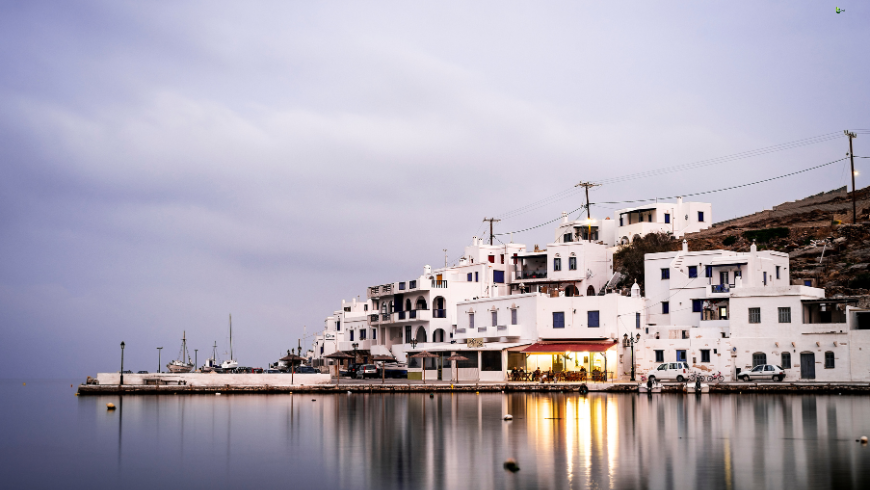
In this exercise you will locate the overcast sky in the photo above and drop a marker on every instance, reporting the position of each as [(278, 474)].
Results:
[(166, 163)]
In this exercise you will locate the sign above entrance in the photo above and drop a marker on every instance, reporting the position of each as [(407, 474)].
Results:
[(474, 343)]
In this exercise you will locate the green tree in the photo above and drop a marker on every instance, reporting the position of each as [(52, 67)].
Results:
[(629, 259)]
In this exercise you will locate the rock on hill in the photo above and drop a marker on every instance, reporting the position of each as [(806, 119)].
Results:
[(817, 232)]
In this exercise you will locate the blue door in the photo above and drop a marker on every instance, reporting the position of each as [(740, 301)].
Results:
[(681, 356)]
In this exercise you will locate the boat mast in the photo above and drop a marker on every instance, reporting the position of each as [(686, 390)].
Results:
[(214, 352), (231, 338)]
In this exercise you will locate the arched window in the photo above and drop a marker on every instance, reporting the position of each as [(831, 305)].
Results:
[(590, 291), (421, 303), (786, 360), (438, 335), (571, 290), (407, 305), (421, 335), (759, 358), (829, 360)]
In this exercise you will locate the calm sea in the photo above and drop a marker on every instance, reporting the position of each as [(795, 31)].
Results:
[(50, 438)]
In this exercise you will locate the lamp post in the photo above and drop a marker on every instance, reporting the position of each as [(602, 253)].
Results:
[(195, 359), (122, 362), (158, 358), (630, 341), (354, 345)]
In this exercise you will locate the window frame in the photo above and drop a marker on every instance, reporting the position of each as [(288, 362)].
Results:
[(785, 365), (660, 355), (787, 311), (666, 307), (514, 316), (572, 263), (666, 273), (700, 216), (471, 320), (833, 363), (557, 264), (705, 355), (593, 318), (559, 319), (755, 315), (494, 317), (693, 271)]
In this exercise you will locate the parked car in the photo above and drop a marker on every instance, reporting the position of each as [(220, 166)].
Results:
[(367, 371), (142, 372), (243, 370), (126, 372), (678, 371), (351, 370), (763, 371), (272, 371), (306, 370), (257, 370)]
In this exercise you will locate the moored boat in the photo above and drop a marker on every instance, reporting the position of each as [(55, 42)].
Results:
[(182, 364)]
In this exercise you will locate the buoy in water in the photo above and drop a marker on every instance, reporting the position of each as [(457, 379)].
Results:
[(511, 465), (863, 439), (476, 392), (508, 417), (431, 395), (217, 394), (110, 406), (348, 392)]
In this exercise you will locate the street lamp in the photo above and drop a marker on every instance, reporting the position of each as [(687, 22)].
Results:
[(354, 345), (158, 358), (195, 359), (630, 341), (122, 362)]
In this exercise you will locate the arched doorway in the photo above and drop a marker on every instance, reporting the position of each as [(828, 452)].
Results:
[(407, 305), (421, 335), (438, 335), (421, 303), (438, 309), (590, 291), (572, 290)]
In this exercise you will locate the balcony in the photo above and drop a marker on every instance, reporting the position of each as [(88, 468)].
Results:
[(378, 291), (439, 284), (439, 313), (532, 275), (481, 329), (719, 290)]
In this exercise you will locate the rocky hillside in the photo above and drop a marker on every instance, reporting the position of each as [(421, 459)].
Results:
[(806, 230)]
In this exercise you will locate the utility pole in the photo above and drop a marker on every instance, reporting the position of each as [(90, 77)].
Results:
[(490, 227), (445, 257), (587, 185), (852, 158)]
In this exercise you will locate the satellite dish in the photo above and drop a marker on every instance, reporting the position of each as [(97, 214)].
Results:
[(734, 349)]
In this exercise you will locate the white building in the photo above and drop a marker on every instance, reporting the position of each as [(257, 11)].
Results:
[(675, 218)]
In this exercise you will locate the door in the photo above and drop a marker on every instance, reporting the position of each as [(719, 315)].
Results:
[(723, 278), (808, 365)]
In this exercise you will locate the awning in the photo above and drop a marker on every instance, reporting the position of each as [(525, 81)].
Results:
[(637, 210), (728, 261), (562, 347)]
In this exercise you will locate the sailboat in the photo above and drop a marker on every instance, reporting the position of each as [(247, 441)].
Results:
[(230, 363), (212, 363), (180, 365)]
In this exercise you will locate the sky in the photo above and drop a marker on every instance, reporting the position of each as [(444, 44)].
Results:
[(164, 164)]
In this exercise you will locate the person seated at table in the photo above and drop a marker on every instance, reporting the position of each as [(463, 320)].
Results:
[(537, 373), (550, 375)]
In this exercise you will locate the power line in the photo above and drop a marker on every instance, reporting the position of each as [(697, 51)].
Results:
[(565, 194), (690, 194)]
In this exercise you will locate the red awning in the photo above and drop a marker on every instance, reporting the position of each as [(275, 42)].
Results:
[(559, 347)]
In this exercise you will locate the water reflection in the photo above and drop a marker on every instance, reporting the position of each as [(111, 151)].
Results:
[(448, 441)]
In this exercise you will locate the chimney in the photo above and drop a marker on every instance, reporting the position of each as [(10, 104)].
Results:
[(635, 291), (679, 200), (753, 248), (427, 269), (685, 246), (564, 217)]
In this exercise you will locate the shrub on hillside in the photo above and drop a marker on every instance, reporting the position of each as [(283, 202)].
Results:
[(729, 240), (766, 234), (629, 259)]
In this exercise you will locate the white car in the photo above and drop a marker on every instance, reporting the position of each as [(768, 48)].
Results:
[(763, 371), (670, 370)]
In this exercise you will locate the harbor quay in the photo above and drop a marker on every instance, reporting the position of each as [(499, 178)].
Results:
[(267, 384)]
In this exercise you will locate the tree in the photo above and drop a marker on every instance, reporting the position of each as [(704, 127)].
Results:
[(629, 259)]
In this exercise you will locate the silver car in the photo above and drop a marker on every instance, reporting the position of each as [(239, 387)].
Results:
[(763, 371)]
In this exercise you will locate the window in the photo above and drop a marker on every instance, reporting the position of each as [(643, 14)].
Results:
[(469, 277), (476, 276), (667, 218), (777, 272), (700, 216), (808, 283), (558, 319), (765, 278), (491, 259), (693, 271), (408, 334), (697, 304), (365, 307), (362, 334), (494, 318), (470, 320), (572, 263), (641, 218), (557, 264), (660, 356), (514, 316), (374, 334), (666, 273), (754, 315), (321, 350), (785, 315), (516, 259), (401, 286), (637, 320), (708, 271), (829, 360), (786, 360), (592, 316), (498, 277), (413, 284), (351, 335), (490, 360), (705, 355), (567, 238), (620, 221), (666, 307), (759, 358), (685, 334), (501, 258), (681, 356)]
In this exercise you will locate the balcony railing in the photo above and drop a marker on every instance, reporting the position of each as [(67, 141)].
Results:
[(439, 313), (481, 329), (439, 284), (501, 327), (412, 314), (401, 315), (532, 275), (720, 288), (385, 317), (460, 330)]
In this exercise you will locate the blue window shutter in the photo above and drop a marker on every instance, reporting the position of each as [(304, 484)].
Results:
[(708, 271), (666, 273), (637, 320), (693, 271), (476, 276), (667, 218), (558, 319), (351, 335), (593, 319), (696, 305), (469, 277), (701, 216), (666, 307), (808, 283), (498, 276)]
